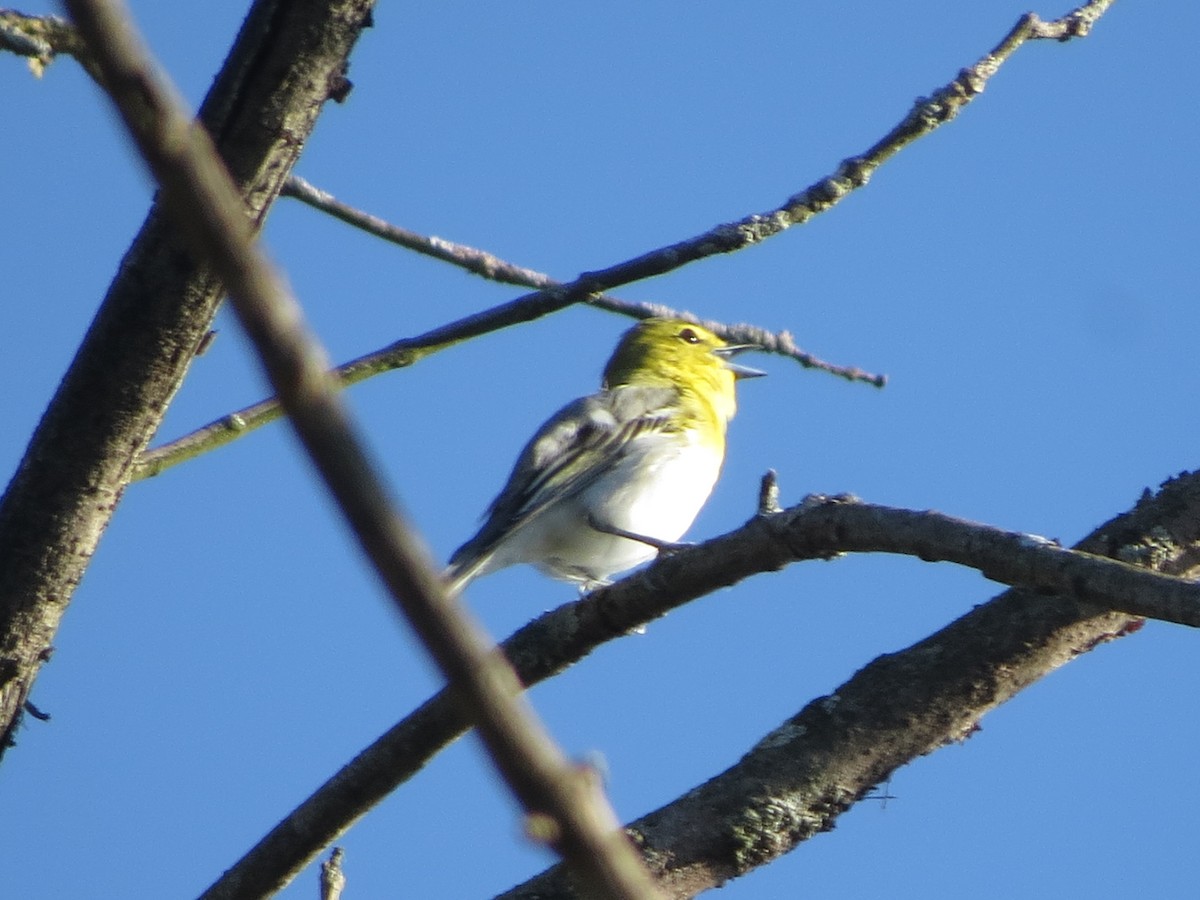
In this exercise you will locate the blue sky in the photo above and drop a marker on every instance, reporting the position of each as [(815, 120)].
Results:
[(1026, 277)]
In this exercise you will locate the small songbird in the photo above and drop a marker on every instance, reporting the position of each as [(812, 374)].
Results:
[(613, 478)]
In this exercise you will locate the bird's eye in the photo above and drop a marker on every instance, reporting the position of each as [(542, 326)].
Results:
[(690, 336)]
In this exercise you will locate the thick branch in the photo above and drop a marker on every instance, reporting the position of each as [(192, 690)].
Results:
[(261, 109), (203, 201), (1161, 535), (798, 779)]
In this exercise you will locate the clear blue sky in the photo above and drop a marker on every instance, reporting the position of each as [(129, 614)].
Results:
[(1027, 278)]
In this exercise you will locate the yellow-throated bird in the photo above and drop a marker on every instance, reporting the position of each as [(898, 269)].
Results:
[(614, 477)]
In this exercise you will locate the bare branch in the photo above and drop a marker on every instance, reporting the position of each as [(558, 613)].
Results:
[(261, 109), (478, 262), (333, 879), (202, 198), (798, 779), (40, 39), (408, 351), (1161, 535), (589, 288), (492, 267)]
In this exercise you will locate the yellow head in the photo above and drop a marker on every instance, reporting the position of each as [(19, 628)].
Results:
[(685, 356)]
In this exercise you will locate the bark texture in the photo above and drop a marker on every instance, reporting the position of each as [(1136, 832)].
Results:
[(288, 59), (797, 780)]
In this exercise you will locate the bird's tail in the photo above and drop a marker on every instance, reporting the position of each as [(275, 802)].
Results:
[(465, 566)]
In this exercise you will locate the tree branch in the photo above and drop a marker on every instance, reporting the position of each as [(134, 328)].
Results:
[(477, 262), (492, 267), (333, 879), (1161, 535), (797, 780), (261, 109), (408, 351), (198, 193), (853, 173), (40, 39)]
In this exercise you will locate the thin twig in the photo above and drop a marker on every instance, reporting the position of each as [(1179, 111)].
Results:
[(408, 351), (492, 267), (926, 115), (41, 38), (333, 878), (816, 529), (479, 262), (551, 297), (200, 196)]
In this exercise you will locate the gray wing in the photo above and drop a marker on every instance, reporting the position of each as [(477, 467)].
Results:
[(576, 446)]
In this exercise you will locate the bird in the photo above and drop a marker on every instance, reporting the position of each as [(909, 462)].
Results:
[(616, 477)]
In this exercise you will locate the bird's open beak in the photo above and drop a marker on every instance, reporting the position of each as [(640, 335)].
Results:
[(739, 371)]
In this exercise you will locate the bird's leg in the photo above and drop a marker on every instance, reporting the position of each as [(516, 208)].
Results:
[(664, 548)]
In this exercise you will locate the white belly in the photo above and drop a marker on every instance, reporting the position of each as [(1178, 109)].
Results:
[(656, 490)]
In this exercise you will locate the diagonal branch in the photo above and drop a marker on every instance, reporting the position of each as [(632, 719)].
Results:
[(492, 267), (853, 173), (473, 260), (408, 351), (563, 800), (1161, 535), (797, 780), (261, 109)]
